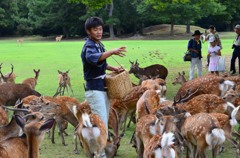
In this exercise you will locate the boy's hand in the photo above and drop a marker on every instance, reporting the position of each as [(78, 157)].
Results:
[(118, 69), (119, 51)]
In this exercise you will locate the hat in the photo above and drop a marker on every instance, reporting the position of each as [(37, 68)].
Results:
[(211, 39), (237, 26), (197, 32), (211, 27)]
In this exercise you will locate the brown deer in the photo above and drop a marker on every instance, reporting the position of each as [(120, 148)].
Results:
[(202, 131), (7, 78), (32, 82), (233, 97), (180, 79), (64, 83), (150, 125), (62, 106), (59, 38), (153, 71), (11, 92), (91, 130), (161, 146), (27, 145), (146, 103), (157, 84), (20, 41)]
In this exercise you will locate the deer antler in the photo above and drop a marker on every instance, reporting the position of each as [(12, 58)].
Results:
[(185, 97), (131, 62), (136, 62), (11, 71), (1, 71)]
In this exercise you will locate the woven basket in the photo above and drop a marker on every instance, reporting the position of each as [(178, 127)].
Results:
[(118, 85)]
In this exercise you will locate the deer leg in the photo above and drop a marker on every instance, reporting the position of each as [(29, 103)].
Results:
[(61, 132), (70, 86), (131, 119), (53, 131), (140, 147), (76, 151)]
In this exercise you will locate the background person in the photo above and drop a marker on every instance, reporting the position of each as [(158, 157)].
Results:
[(195, 46), (214, 53), (236, 51)]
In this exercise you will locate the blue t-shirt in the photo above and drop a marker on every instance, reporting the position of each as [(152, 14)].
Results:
[(197, 45), (92, 68)]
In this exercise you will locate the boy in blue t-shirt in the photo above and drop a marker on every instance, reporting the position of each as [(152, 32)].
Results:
[(95, 65)]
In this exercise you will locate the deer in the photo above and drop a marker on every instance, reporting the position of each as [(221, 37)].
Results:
[(157, 84), (91, 130), (3, 117), (64, 83), (127, 105), (232, 96), (59, 38), (202, 131), (20, 41), (11, 92), (161, 146), (150, 125), (146, 103), (227, 125), (28, 144), (209, 84), (9, 77), (180, 79), (153, 71), (32, 82), (62, 106)]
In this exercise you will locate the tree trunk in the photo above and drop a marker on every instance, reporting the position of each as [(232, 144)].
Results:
[(188, 27), (172, 28), (65, 32), (111, 30)]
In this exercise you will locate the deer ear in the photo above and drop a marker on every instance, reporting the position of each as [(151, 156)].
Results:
[(179, 73), (20, 121), (67, 71), (59, 72), (47, 125), (183, 73), (38, 70)]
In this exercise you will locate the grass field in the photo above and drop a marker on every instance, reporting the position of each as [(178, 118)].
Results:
[(51, 56)]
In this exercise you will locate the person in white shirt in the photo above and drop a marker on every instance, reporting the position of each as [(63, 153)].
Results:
[(236, 51), (214, 53)]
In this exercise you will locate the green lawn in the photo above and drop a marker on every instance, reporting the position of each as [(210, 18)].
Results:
[(51, 56)]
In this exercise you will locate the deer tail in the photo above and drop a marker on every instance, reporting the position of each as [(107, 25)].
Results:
[(215, 137)]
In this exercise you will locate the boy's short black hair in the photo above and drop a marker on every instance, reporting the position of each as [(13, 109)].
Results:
[(93, 22), (212, 27)]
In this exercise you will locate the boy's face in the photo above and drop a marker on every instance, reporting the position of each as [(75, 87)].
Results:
[(197, 37), (95, 33), (237, 31)]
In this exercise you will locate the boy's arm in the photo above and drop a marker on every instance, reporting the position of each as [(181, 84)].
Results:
[(116, 51), (190, 46)]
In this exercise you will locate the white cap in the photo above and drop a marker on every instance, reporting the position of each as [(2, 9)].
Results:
[(237, 26), (211, 39)]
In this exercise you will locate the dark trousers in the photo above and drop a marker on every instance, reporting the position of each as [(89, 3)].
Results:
[(235, 55)]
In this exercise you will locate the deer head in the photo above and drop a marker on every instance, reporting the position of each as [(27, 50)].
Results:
[(63, 76), (5, 78), (134, 67), (180, 79), (36, 73)]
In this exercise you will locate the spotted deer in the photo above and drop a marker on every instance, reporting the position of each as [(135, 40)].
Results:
[(59, 38), (161, 146), (64, 83), (146, 103), (150, 125), (9, 77), (209, 84), (180, 79), (202, 131), (233, 97), (32, 82)]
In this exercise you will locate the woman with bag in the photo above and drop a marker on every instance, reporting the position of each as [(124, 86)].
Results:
[(214, 53)]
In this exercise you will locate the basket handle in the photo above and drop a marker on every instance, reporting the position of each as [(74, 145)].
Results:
[(118, 63)]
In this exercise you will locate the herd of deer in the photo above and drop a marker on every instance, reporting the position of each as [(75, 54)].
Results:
[(201, 116)]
